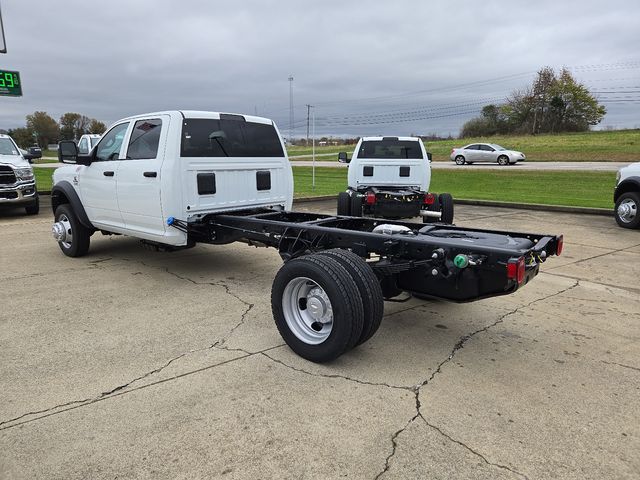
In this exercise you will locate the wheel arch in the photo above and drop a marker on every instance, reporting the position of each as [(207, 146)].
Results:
[(63, 192), (631, 184)]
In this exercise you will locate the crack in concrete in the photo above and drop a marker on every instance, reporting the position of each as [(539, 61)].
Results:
[(218, 344), (610, 252), (608, 285), (333, 375), (621, 365), (72, 405), (478, 454), (462, 341)]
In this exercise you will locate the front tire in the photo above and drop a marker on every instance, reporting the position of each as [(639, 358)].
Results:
[(503, 160), (317, 307), (460, 160), (344, 204), (34, 208), (73, 237), (626, 211)]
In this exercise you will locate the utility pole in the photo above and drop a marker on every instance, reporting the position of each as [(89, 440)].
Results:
[(290, 109), (313, 154), (308, 109)]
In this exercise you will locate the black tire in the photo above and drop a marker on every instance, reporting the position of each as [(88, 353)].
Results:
[(368, 286), (434, 207), (446, 208), (628, 217), (343, 295), (503, 160), (460, 160), (344, 204), (356, 205), (34, 208), (79, 244)]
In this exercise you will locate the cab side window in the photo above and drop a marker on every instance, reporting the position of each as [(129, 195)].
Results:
[(473, 147), (110, 143), (144, 140), (83, 146)]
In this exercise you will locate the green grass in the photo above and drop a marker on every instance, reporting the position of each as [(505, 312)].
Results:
[(43, 178), (619, 145), (294, 150), (580, 189), (612, 146)]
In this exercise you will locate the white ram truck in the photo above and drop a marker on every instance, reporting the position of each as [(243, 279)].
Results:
[(176, 178), (389, 177), (627, 196)]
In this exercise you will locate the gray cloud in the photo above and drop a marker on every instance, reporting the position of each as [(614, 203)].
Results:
[(117, 58)]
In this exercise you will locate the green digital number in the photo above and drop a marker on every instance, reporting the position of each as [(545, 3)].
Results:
[(8, 77), (2, 80)]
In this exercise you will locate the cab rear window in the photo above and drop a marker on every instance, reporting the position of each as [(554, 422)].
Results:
[(233, 137), (390, 149)]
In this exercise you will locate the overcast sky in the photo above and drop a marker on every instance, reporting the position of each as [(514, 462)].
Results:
[(367, 67)]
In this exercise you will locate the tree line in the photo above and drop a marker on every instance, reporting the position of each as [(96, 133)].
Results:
[(554, 103), (42, 129)]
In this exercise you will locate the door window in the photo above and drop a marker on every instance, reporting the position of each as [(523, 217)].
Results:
[(144, 140), (109, 146), (486, 148), (472, 147), (83, 146)]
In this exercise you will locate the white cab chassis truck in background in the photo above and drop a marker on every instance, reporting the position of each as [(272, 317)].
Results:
[(627, 196), (173, 179), (389, 178)]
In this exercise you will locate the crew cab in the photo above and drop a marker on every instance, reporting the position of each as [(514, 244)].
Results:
[(627, 196), (389, 178), (17, 181), (176, 178)]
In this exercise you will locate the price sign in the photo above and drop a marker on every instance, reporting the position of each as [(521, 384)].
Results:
[(10, 83)]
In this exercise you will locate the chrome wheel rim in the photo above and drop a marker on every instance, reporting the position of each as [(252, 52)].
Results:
[(459, 160), (627, 210), (503, 161), (307, 310), (66, 234)]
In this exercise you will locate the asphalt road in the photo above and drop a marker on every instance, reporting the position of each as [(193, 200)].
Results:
[(538, 166), (129, 363), (546, 166)]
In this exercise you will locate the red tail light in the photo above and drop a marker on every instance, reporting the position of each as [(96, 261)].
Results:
[(371, 198), (516, 269), (559, 244), (429, 199)]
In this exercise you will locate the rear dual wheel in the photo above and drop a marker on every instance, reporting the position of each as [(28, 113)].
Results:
[(443, 204), (344, 204), (326, 303)]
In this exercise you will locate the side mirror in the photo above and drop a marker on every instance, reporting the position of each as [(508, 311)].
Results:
[(68, 151), (342, 157), (28, 157), (429, 157)]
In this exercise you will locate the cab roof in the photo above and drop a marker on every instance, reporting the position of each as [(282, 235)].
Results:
[(203, 114)]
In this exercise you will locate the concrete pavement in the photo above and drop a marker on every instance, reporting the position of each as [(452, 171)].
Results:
[(128, 363)]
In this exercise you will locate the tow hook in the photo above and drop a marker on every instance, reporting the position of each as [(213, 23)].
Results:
[(59, 232)]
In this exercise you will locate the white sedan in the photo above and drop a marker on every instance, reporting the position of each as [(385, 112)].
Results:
[(486, 152)]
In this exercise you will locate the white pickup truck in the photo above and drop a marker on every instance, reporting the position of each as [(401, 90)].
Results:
[(389, 177), (176, 178)]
